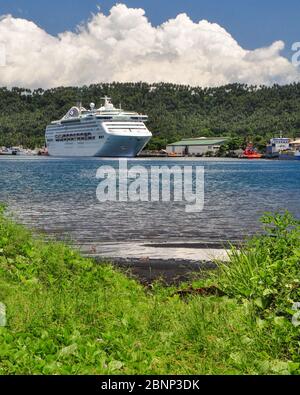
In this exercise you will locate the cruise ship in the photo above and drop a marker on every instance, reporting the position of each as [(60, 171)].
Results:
[(104, 132)]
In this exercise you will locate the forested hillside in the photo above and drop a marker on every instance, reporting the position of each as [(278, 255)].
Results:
[(174, 111)]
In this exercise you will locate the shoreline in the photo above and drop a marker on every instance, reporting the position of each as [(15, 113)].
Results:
[(169, 262), (169, 271)]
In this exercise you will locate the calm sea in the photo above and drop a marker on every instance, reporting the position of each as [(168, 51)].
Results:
[(58, 196)]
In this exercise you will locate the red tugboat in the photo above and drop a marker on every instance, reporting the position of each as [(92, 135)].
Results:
[(251, 152), (43, 152)]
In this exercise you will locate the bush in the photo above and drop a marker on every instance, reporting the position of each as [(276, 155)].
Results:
[(266, 273)]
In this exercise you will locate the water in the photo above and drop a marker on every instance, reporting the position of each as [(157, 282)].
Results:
[(58, 196)]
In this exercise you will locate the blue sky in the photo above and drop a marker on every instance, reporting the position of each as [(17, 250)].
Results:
[(252, 23), (184, 51)]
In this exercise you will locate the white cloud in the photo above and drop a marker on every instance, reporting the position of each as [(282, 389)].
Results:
[(124, 46)]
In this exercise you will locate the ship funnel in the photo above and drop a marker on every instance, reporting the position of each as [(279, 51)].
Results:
[(107, 103)]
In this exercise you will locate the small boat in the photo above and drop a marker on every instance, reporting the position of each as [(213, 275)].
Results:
[(251, 152), (289, 155), (292, 152), (7, 152)]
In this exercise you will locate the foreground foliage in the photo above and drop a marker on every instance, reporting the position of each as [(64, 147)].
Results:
[(67, 315)]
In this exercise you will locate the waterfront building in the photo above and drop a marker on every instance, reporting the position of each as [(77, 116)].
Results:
[(200, 146)]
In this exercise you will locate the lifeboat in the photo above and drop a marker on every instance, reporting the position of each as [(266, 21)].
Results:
[(251, 153)]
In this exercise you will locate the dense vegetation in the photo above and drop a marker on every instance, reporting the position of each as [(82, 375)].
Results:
[(68, 315), (175, 111)]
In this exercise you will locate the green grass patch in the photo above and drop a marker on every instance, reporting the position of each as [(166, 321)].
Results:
[(68, 315)]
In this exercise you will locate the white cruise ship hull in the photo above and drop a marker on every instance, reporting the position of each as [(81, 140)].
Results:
[(94, 138)]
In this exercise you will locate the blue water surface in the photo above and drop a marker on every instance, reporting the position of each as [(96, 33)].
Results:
[(58, 196)]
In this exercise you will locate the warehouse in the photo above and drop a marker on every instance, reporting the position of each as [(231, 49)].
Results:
[(200, 146)]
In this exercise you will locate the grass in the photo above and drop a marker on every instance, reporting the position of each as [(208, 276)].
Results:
[(68, 315)]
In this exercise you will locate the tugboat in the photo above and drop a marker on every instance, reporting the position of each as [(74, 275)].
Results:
[(251, 152)]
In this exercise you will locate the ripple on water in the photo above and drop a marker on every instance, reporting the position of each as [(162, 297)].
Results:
[(58, 196)]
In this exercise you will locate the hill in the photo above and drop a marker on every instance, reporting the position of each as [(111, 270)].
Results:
[(175, 111)]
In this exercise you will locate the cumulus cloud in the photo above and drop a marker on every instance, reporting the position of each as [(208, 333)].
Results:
[(124, 46)]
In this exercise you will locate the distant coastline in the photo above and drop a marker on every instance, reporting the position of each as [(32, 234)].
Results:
[(236, 110)]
